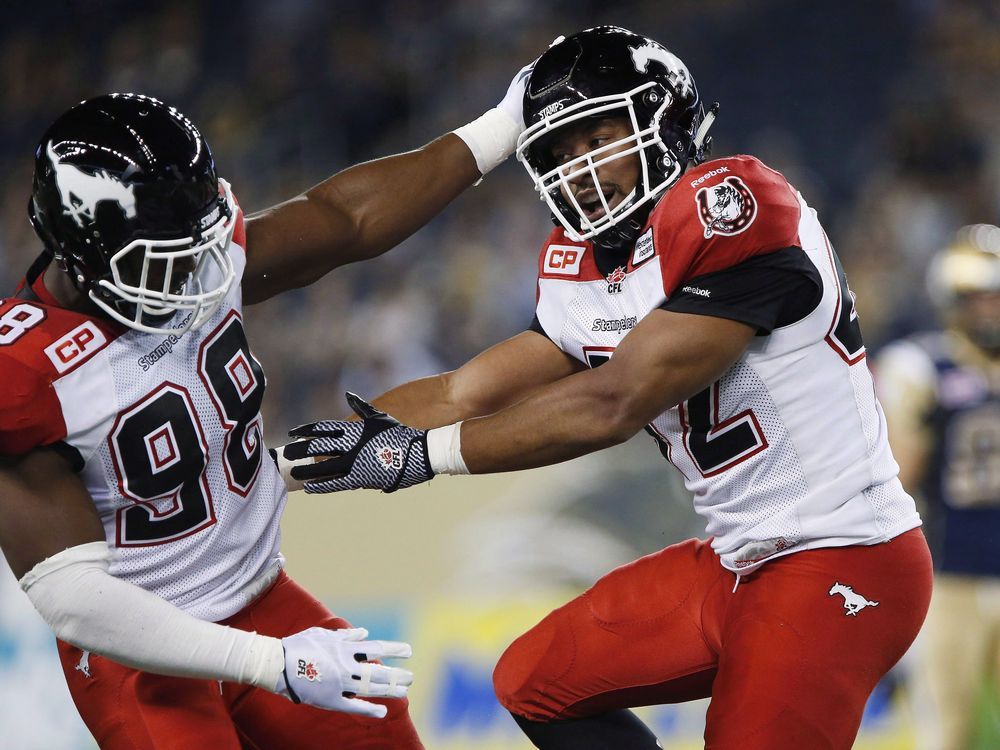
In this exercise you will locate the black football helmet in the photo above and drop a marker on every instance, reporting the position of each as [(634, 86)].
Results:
[(609, 71), (126, 198)]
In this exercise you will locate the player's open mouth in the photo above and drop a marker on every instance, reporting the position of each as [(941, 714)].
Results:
[(590, 201)]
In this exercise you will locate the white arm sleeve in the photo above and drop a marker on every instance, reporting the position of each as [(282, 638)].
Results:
[(91, 609)]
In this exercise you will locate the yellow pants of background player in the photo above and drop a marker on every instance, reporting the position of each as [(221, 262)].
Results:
[(958, 650)]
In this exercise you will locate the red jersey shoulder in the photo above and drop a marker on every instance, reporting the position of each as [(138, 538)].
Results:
[(562, 258), (30, 413), (50, 340), (39, 343), (720, 214)]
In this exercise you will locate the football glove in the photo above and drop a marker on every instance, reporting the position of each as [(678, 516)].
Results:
[(328, 668), (376, 452)]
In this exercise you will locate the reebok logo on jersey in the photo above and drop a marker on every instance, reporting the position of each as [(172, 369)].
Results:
[(308, 671), (755, 552), (727, 208), (853, 602), (708, 176), (563, 260), (644, 249), (75, 347), (697, 290)]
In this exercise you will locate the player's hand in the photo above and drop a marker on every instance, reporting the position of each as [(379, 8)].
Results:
[(375, 452), (512, 104), (328, 668)]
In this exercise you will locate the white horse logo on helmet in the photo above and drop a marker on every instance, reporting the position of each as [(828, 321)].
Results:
[(81, 192), (853, 602)]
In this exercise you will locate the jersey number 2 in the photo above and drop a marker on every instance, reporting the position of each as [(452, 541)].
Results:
[(714, 446), (160, 451)]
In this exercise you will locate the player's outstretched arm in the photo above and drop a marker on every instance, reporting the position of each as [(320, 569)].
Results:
[(369, 208), (493, 380), (667, 358), (54, 543)]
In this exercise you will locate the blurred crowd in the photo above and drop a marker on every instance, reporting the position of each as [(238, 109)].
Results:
[(884, 115)]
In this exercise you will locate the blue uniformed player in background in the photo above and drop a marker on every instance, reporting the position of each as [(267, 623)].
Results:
[(941, 394)]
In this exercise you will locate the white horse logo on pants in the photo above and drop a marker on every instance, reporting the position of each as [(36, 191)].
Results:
[(853, 602)]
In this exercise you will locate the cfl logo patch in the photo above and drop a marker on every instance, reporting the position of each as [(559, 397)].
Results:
[(390, 458), (308, 671)]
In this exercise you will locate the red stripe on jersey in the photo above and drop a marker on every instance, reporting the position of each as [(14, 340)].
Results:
[(722, 213)]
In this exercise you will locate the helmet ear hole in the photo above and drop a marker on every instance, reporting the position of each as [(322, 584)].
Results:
[(665, 163)]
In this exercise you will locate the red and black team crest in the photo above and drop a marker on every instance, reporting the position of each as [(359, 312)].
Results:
[(726, 208)]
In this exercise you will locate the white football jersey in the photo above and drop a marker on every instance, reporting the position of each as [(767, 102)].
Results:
[(166, 432), (787, 451)]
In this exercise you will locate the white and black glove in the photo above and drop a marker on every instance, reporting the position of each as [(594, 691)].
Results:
[(492, 137), (512, 104), (328, 668), (375, 452)]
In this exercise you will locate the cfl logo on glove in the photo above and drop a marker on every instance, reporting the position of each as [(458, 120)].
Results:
[(308, 671), (390, 458)]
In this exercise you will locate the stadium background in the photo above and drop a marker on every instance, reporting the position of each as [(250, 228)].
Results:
[(884, 114)]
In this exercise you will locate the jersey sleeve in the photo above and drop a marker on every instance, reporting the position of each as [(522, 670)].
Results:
[(720, 215), (765, 292), (30, 414)]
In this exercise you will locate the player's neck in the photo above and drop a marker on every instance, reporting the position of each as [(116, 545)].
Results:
[(58, 284)]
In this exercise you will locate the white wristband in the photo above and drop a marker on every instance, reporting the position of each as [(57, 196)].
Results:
[(491, 138), (444, 450), (285, 466)]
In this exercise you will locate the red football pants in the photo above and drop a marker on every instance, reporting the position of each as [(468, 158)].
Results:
[(126, 709), (787, 660)]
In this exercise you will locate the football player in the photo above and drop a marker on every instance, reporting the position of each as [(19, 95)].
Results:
[(941, 392), (141, 508), (703, 302)]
